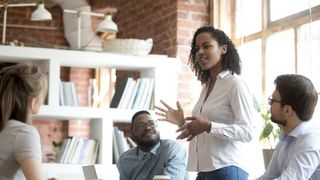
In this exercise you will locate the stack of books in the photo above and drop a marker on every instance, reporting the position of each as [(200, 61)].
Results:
[(77, 150), (133, 94)]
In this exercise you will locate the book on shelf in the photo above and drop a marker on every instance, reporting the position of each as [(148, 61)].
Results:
[(144, 94), (148, 97), (115, 150), (95, 152), (152, 101), (119, 89), (120, 143), (67, 151), (93, 149), (134, 94), (67, 94), (76, 156), (93, 93), (64, 146), (61, 94), (127, 93), (118, 140), (77, 150), (73, 93), (73, 150), (131, 142), (124, 142), (105, 78), (84, 151), (140, 92)]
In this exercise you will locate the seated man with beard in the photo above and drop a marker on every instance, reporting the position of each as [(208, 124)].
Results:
[(152, 156), (297, 155)]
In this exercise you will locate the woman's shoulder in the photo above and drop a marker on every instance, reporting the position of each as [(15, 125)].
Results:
[(234, 80), (21, 128), (18, 124)]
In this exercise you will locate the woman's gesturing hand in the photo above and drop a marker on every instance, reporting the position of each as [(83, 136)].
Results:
[(196, 126), (174, 116)]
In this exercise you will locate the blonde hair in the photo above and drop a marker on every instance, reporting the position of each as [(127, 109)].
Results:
[(19, 84)]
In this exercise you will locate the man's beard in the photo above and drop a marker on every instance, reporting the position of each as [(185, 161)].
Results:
[(150, 142), (281, 122)]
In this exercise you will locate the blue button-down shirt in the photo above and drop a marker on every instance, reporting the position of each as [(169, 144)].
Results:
[(297, 156), (168, 157)]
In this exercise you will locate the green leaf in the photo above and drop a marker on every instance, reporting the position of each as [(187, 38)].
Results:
[(57, 144), (266, 131), (266, 116)]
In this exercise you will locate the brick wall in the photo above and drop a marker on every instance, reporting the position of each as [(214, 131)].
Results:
[(170, 23), (51, 131), (144, 19), (34, 33), (192, 14)]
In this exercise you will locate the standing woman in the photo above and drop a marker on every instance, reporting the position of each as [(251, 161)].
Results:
[(23, 88), (221, 127)]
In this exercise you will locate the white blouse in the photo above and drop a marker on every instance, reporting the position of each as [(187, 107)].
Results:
[(230, 109)]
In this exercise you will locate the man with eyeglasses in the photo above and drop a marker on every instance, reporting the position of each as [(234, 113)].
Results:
[(297, 155), (152, 156)]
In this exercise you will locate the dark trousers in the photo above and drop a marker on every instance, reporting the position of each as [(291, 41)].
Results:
[(226, 173)]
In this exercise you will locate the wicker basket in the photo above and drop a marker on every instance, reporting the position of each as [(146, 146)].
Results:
[(128, 46)]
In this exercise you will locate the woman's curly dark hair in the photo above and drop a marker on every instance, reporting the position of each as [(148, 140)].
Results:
[(230, 60)]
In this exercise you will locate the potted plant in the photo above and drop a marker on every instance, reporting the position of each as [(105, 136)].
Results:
[(269, 135)]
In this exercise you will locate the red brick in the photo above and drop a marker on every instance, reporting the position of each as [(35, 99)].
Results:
[(184, 41), (184, 85), (79, 128), (200, 17), (184, 95), (185, 77), (184, 33)]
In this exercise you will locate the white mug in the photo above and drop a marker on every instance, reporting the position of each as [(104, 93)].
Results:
[(161, 177)]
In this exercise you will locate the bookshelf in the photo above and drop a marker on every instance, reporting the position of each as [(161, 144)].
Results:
[(159, 67)]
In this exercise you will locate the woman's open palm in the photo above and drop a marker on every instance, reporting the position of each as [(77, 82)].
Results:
[(174, 116)]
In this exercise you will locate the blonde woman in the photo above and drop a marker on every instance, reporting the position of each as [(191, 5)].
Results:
[(23, 88)]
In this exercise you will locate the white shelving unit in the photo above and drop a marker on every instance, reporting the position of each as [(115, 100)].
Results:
[(160, 67)]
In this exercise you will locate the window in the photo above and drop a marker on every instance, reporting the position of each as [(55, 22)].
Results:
[(279, 57), (273, 39), (251, 64), (277, 10), (247, 21), (308, 51)]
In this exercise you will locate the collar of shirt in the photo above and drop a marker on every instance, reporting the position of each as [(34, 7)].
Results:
[(296, 132), (142, 154), (224, 74)]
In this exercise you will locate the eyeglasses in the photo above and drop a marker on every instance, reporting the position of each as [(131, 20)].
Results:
[(271, 100), (142, 126)]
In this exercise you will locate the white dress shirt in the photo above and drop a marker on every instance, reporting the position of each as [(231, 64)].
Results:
[(230, 109), (296, 156)]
